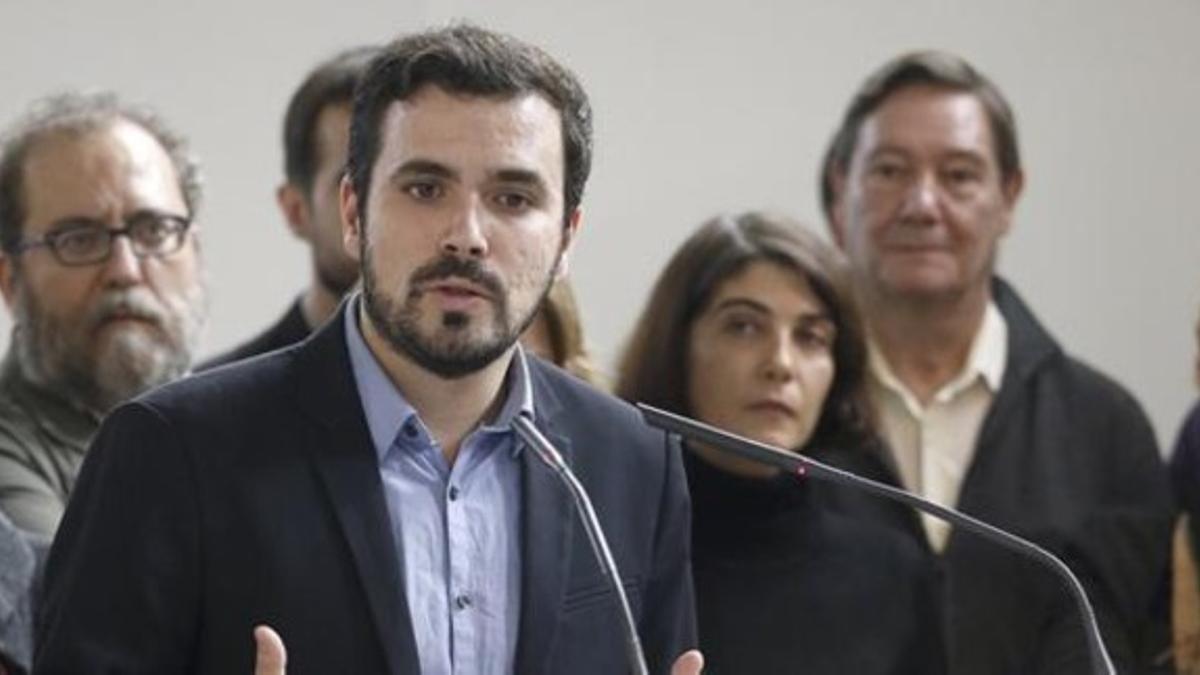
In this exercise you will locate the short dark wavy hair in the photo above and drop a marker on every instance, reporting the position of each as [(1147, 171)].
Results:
[(465, 59), (331, 82), (930, 68), (79, 113), (653, 368)]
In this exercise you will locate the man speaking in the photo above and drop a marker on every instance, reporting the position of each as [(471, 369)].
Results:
[(363, 493)]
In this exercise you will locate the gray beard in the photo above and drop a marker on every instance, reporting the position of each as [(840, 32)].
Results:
[(63, 359)]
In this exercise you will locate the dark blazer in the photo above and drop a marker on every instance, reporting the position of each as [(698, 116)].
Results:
[(251, 494), (1185, 473), (1067, 459), (291, 328)]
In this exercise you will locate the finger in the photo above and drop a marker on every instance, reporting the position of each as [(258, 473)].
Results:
[(270, 658), (689, 663)]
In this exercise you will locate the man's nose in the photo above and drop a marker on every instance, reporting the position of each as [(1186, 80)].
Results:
[(123, 267), (921, 201), (465, 235)]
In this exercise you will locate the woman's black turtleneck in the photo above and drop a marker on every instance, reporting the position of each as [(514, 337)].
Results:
[(786, 584)]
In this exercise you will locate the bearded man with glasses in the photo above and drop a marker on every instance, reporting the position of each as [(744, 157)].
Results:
[(101, 270)]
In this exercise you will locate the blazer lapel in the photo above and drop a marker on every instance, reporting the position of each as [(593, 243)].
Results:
[(345, 460), (548, 524)]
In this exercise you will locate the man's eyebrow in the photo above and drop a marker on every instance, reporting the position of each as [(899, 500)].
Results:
[(424, 167), (884, 150), (954, 153), (965, 155), (520, 177), (82, 220), (74, 222)]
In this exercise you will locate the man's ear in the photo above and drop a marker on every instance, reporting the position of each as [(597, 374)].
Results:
[(351, 218), (8, 280), (294, 206), (570, 230), (837, 212), (1011, 188)]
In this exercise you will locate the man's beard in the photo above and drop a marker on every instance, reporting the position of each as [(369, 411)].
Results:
[(453, 354), (71, 358)]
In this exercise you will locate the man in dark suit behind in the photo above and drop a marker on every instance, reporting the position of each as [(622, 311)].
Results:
[(316, 132), (362, 492)]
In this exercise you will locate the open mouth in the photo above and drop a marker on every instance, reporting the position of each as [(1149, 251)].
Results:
[(457, 296), (457, 291), (457, 287)]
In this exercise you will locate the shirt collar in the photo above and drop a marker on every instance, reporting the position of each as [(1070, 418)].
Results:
[(387, 410), (986, 360), (989, 353)]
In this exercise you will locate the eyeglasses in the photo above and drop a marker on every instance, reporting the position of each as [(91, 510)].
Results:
[(84, 241)]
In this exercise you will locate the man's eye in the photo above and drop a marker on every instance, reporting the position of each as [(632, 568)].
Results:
[(513, 201), (152, 231), (961, 176), (887, 170), (80, 241), (423, 191)]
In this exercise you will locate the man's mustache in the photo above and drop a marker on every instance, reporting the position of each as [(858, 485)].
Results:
[(127, 304), (462, 268)]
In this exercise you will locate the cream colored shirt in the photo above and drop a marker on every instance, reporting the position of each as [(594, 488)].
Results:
[(933, 445)]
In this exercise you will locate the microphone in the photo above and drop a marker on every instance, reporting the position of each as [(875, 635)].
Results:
[(806, 466), (546, 452)]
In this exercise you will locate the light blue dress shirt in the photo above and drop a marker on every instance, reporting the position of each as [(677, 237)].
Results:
[(457, 529)]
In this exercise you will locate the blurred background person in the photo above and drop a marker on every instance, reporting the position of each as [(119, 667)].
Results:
[(1185, 463), (18, 565), (556, 334), (101, 269), (1185, 479), (751, 327), (982, 408), (316, 131)]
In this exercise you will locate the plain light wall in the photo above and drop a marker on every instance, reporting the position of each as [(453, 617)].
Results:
[(703, 107)]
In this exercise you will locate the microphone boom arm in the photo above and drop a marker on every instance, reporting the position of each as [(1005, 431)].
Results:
[(591, 524), (799, 464)]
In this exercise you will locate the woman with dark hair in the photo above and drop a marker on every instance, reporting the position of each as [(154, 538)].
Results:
[(752, 327), (556, 334)]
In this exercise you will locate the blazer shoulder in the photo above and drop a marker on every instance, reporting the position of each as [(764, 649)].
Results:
[(582, 402), (244, 384), (290, 329)]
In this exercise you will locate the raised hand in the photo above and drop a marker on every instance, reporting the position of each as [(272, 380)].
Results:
[(689, 663), (270, 658)]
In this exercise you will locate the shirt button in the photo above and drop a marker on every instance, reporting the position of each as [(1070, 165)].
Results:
[(463, 601), (453, 493), (410, 430)]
